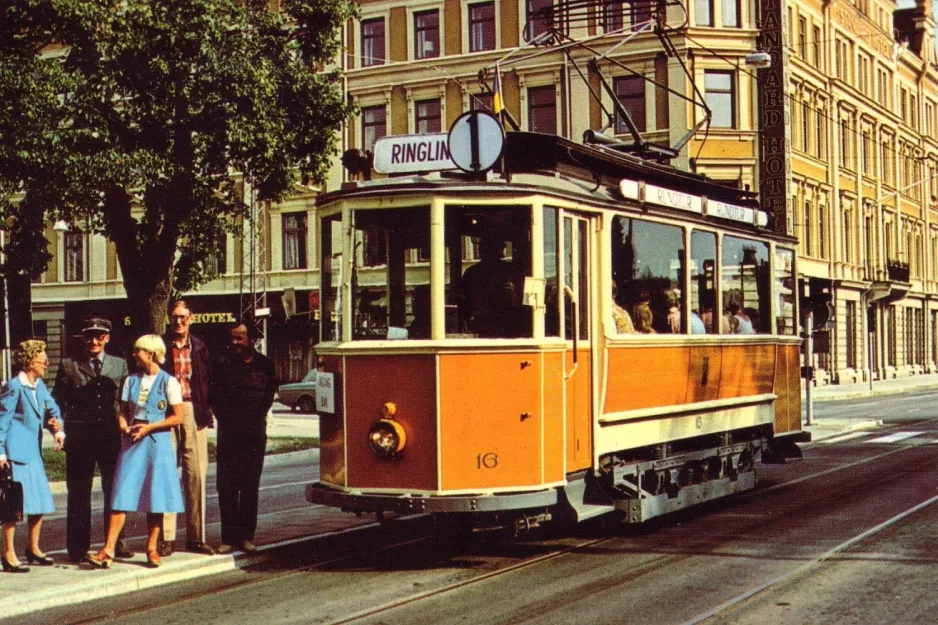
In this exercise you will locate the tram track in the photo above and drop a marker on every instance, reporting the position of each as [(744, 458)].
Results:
[(655, 565)]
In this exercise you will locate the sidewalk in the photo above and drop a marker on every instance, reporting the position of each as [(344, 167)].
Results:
[(827, 427)]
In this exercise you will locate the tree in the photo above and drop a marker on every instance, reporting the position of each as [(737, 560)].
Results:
[(138, 119)]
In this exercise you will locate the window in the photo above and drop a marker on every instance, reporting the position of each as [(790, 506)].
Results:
[(865, 152), (731, 14), (216, 264), (646, 261), (551, 273), (74, 256), (373, 42), (821, 232), (803, 37), (817, 48), (720, 95), (427, 34), (848, 235), (330, 277), (481, 26), (703, 12), (612, 16), (851, 339), (630, 91), (785, 292), (542, 110), (820, 128), (703, 264), (745, 286), (294, 240), (540, 14), (484, 297), (640, 14), (481, 102), (844, 143), (805, 131), (374, 125), (428, 118), (806, 238), (393, 301)]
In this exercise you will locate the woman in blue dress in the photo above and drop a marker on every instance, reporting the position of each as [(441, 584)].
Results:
[(25, 407), (145, 479)]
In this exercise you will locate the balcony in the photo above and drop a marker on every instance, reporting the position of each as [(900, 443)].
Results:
[(897, 271)]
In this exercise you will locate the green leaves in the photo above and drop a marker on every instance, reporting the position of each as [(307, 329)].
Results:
[(141, 116)]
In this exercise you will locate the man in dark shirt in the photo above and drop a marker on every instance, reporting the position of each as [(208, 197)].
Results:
[(87, 389), (242, 393)]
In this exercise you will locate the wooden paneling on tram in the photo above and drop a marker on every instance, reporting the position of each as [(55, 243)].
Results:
[(560, 414)]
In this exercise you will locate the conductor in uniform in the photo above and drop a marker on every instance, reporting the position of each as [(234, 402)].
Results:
[(86, 389)]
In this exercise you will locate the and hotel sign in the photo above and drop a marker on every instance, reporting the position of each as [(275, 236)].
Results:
[(774, 118), (400, 154)]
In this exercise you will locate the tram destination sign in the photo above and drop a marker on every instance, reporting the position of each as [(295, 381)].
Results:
[(634, 190), (405, 154)]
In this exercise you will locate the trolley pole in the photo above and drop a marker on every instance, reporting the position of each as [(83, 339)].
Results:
[(809, 369)]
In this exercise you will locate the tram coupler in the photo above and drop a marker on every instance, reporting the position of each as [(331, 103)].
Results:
[(524, 523), (782, 449)]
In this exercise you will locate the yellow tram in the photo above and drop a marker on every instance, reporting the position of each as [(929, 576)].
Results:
[(581, 333)]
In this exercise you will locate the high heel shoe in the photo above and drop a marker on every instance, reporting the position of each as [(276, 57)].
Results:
[(100, 560), (42, 560), (13, 568)]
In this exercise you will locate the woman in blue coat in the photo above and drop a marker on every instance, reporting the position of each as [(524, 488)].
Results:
[(145, 479), (25, 406)]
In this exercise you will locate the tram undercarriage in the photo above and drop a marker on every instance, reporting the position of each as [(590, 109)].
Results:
[(630, 487)]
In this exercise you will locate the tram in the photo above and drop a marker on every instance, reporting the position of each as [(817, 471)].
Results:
[(580, 332)]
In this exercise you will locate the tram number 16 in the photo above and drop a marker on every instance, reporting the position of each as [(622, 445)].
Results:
[(487, 461)]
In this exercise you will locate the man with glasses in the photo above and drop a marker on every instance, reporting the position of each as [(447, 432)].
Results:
[(188, 361), (86, 390)]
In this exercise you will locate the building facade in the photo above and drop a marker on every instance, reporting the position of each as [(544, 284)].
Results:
[(847, 116)]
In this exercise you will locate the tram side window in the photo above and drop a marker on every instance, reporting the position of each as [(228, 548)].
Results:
[(647, 270), (703, 262), (485, 283), (745, 285), (785, 292), (551, 290), (330, 321), (390, 294)]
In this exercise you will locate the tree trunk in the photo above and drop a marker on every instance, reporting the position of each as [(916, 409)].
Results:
[(148, 307)]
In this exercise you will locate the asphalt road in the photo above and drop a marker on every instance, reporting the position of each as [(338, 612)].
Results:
[(845, 536)]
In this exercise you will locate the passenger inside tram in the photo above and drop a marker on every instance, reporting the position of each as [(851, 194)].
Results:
[(620, 315)]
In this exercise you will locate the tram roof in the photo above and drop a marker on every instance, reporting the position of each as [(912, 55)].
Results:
[(538, 162)]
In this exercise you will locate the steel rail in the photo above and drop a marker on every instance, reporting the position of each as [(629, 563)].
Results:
[(644, 569)]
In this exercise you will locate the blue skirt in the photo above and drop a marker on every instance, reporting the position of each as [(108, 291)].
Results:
[(37, 498), (146, 479)]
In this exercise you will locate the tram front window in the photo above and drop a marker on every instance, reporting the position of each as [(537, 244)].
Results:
[(390, 280), (489, 255)]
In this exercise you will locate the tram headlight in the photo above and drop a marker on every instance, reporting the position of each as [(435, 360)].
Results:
[(387, 438)]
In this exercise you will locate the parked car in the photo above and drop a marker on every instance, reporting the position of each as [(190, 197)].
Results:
[(300, 395)]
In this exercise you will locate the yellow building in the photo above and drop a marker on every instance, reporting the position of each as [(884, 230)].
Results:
[(839, 136)]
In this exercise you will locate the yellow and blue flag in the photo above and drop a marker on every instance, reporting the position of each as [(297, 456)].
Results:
[(497, 91)]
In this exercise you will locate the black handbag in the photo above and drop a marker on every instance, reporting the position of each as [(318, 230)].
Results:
[(11, 497)]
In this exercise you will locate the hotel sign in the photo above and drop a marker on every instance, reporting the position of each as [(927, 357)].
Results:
[(400, 154), (774, 118)]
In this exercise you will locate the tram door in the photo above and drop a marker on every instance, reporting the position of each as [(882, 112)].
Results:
[(577, 290)]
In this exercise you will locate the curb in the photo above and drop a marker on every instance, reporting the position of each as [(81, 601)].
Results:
[(821, 395), (273, 460), (846, 429), (128, 578)]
